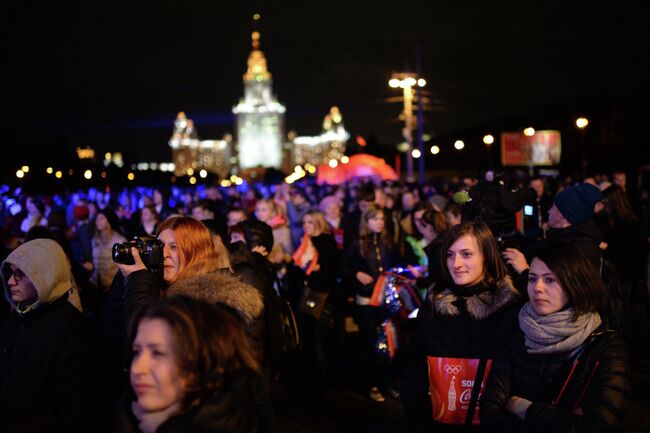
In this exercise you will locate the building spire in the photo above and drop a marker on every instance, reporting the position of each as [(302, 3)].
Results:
[(257, 70)]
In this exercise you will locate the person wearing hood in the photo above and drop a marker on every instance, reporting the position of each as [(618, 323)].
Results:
[(47, 382)]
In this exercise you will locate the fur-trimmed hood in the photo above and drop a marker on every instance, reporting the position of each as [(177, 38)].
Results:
[(480, 305), (220, 287)]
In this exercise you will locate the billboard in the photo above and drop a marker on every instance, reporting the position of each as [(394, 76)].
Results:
[(543, 148)]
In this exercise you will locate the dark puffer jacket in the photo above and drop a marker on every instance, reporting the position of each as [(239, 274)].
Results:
[(470, 323), (232, 410), (603, 369)]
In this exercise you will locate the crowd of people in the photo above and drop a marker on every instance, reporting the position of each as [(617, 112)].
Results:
[(488, 303)]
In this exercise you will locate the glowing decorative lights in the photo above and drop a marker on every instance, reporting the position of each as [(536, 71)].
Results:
[(190, 171), (582, 122), (25, 168), (49, 170), (20, 174), (333, 163), (203, 174), (459, 144), (416, 153), (192, 180), (130, 176), (488, 139), (58, 174), (529, 132), (345, 159), (435, 149), (88, 174)]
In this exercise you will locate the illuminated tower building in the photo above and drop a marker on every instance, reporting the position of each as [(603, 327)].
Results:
[(260, 117)]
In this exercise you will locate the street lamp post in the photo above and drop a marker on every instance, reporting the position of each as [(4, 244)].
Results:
[(581, 123), (406, 81)]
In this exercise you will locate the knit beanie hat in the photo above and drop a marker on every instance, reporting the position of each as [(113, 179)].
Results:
[(45, 264), (576, 203)]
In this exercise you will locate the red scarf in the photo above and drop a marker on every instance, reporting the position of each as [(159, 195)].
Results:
[(306, 256)]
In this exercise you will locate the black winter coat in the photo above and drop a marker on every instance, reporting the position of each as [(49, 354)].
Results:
[(603, 368), (353, 262), (232, 410), (468, 323), (46, 378)]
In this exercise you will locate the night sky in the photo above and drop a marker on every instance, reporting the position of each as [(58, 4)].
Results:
[(113, 75)]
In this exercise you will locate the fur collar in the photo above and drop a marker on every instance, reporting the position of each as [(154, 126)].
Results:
[(222, 287), (479, 306)]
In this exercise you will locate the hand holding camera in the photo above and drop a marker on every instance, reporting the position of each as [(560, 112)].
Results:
[(145, 252)]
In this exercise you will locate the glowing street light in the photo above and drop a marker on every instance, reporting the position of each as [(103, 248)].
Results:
[(581, 123), (406, 81)]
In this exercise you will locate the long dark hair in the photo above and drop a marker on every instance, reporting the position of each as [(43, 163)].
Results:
[(366, 237), (209, 345), (494, 269), (617, 204), (576, 274)]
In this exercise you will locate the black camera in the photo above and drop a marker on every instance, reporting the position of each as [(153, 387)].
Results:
[(149, 248)]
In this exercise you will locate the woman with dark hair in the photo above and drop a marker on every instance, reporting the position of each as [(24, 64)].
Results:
[(35, 214), (192, 369), (465, 318), (366, 258), (625, 245), (107, 233), (564, 372), (149, 220), (431, 225)]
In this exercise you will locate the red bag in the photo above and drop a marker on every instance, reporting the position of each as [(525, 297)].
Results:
[(451, 385)]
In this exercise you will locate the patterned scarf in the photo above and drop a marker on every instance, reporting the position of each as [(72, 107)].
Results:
[(556, 332)]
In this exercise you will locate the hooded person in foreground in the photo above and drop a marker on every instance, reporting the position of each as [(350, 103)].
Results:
[(46, 380)]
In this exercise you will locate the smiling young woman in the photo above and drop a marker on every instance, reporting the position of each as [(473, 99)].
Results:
[(461, 327)]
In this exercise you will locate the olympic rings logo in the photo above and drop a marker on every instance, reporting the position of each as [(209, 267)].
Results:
[(453, 369)]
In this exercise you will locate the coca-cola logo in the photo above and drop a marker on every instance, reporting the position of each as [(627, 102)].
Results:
[(453, 369), (465, 396)]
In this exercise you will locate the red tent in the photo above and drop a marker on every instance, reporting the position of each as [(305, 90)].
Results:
[(359, 166)]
